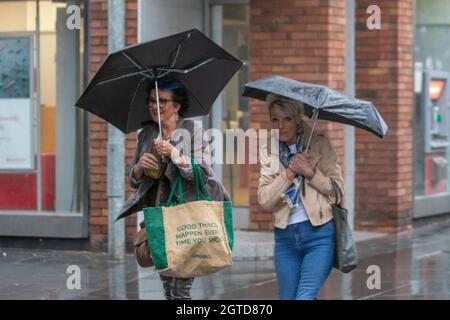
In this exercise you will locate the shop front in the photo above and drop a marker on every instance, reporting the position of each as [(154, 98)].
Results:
[(43, 174)]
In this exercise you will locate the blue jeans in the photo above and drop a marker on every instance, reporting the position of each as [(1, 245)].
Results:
[(304, 257)]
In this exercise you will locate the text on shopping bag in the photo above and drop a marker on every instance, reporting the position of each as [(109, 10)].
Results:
[(197, 233)]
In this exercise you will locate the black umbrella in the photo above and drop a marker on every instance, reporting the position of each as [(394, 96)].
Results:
[(321, 103), (117, 93)]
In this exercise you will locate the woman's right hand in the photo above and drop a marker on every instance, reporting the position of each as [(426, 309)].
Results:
[(147, 161)]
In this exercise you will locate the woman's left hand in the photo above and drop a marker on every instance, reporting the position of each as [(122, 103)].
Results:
[(300, 164), (164, 148)]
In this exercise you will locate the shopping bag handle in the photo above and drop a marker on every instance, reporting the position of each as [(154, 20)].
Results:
[(198, 180), (176, 185)]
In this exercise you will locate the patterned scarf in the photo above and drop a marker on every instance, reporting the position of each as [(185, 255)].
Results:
[(292, 195)]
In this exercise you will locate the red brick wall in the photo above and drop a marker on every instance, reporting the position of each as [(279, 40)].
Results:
[(98, 206), (384, 75), (303, 40)]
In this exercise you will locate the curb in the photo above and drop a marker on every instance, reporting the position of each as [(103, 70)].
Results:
[(259, 245)]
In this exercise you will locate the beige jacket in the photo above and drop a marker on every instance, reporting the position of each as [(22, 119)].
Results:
[(273, 182)]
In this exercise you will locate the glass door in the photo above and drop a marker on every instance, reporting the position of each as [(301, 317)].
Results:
[(230, 28)]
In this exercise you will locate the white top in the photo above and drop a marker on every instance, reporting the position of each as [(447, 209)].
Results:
[(299, 213)]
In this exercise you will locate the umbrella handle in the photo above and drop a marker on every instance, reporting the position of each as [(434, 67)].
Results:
[(315, 116)]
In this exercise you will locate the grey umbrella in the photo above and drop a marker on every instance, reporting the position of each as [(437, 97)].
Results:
[(321, 103)]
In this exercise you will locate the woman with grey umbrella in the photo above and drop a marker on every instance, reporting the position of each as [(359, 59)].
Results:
[(153, 177), (294, 183)]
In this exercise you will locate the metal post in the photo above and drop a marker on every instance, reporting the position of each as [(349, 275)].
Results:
[(349, 131), (217, 110), (116, 145), (38, 112)]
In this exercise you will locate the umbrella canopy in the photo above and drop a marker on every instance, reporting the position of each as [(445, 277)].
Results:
[(117, 93), (321, 102)]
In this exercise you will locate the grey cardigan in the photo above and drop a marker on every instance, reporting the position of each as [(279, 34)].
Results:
[(200, 153)]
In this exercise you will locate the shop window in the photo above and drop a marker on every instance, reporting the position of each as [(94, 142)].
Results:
[(33, 116)]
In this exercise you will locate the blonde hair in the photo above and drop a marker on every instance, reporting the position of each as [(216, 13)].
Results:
[(286, 106)]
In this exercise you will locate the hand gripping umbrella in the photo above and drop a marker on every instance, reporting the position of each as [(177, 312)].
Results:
[(117, 92), (321, 103)]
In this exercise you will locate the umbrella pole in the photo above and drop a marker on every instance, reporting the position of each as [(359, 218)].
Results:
[(315, 116), (163, 160), (157, 105)]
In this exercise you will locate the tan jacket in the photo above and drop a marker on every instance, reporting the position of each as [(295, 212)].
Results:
[(272, 182)]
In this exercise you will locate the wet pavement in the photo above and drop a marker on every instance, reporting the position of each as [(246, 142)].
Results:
[(411, 266)]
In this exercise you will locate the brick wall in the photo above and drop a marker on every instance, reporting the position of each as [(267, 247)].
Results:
[(98, 206), (384, 75), (303, 40)]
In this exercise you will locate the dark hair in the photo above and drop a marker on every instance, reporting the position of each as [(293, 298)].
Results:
[(179, 92)]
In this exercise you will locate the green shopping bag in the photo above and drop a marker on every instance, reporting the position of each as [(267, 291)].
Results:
[(190, 239)]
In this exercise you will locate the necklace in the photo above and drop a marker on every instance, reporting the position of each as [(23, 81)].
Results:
[(167, 137), (176, 125)]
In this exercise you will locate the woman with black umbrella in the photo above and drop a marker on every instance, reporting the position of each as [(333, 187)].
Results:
[(198, 69), (294, 184), (153, 177)]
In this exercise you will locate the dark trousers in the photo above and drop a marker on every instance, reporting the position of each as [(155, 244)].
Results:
[(176, 288)]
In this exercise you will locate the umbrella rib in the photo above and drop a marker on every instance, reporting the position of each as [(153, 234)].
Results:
[(176, 54), (142, 72), (132, 61), (134, 96), (185, 70), (188, 35)]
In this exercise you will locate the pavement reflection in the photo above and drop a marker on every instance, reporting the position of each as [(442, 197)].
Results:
[(412, 266)]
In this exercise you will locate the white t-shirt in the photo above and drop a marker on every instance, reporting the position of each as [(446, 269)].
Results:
[(299, 213)]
